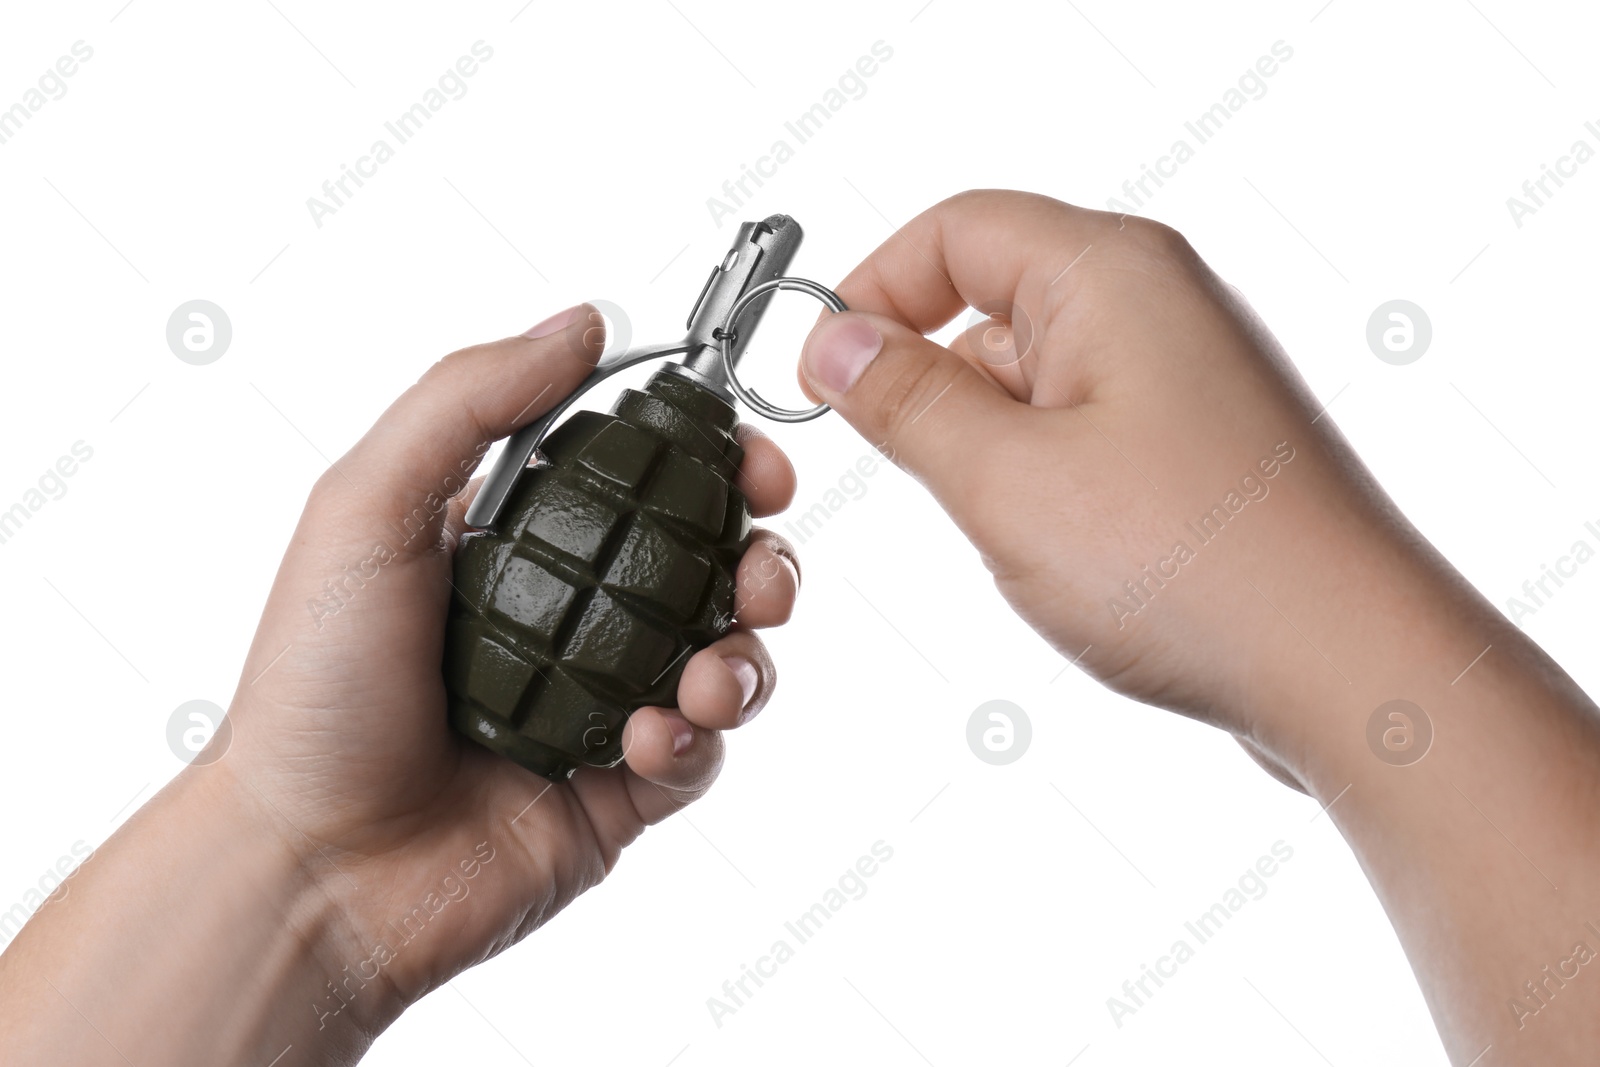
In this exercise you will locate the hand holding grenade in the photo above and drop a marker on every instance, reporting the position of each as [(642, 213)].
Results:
[(597, 572)]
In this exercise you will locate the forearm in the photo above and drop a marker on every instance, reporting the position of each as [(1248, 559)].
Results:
[(199, 934), (1483, 848)]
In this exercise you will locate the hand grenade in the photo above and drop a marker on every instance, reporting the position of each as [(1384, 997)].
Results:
[(598, 570)]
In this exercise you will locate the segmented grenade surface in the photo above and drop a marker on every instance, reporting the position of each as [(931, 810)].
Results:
[(607, 570)]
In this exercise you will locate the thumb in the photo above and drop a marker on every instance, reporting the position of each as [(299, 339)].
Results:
[(424, 448), (924, 406)]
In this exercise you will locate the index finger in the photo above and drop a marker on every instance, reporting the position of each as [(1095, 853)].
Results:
[(984, 248)]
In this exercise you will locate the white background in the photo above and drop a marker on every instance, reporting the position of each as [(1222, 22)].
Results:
[(577, 166)]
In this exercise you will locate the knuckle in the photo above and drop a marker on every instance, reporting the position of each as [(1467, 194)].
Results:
[(916, 384), (768, 581), (1001, 198), (1022, 213), (1160, 241), (462, 374), (775, 542), (456, 363), (756, 608), (975, 198), (327, 492), (703, 775)]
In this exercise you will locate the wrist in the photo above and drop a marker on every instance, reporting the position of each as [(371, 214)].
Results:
[(1359, 612), (307, 894), (1473, 813), (1389, 661), (199, 933)]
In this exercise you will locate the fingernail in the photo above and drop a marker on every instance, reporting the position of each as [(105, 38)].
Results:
[(560, 320), (748, 679), (792, 560), (682, 733), (839, 350)]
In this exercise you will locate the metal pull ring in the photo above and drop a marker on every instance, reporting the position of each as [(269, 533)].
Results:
[(728, 334)]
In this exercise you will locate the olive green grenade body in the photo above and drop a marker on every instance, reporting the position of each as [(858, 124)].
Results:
[(610, 565)]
